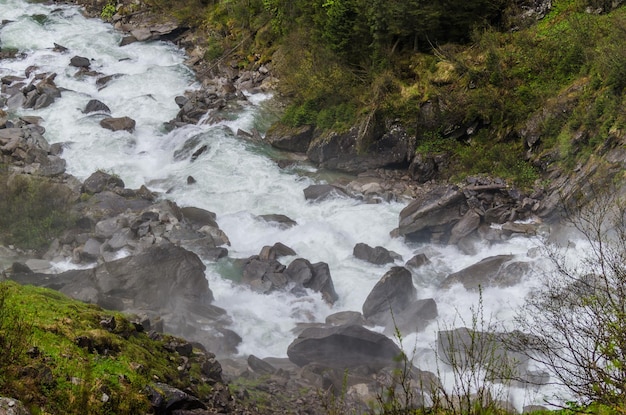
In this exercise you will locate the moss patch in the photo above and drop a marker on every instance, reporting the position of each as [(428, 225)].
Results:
[(67, 357)]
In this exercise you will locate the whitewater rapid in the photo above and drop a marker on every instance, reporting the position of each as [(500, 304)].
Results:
[(236, 179)]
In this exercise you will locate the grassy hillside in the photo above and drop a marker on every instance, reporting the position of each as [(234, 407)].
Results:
[(61, 356)]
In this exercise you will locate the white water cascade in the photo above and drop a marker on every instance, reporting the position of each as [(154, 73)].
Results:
[(236, 179)]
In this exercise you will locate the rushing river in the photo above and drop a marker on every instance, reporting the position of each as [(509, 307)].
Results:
[(236, 179)]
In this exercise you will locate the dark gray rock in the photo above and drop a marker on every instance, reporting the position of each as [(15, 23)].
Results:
[(313, 276), (318, 192), (467, 225), (394, 292), (276, 251), (166, 400), (100, 181), (417, 261), (423, 168), (377, 255), (96, 106), (375, 145), (282, 221), (199, 217), (264, 275), (436, 211), (343, 347), (489, 272), (260, 366), (290, 139), (392, 304), (160, 280), (80, 62)]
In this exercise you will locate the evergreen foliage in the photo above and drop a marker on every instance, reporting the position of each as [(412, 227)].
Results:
[(339, 61)]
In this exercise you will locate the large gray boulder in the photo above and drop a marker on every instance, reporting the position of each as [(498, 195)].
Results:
[(392, 303), (290, 139), (494, 271), (373, 145), (313, 276), (198, 216), (393, 292), (162, 280), (343, 347), (100, 181), (319, 192), (95, 105), (434, 212)]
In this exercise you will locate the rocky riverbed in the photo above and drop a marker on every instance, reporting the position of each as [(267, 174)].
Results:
[(142, 254)]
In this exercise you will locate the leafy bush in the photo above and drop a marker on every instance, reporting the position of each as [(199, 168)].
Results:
[(108, 11)]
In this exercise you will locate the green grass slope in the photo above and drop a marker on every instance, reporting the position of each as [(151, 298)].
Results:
[(61, 356)]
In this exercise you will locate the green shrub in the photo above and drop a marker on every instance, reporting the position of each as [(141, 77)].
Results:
[(108, 11)]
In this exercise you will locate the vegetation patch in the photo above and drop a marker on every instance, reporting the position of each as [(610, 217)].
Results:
[(61, 356), (34, 210)]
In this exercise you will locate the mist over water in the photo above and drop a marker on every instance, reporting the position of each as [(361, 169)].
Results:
[(236, 179)]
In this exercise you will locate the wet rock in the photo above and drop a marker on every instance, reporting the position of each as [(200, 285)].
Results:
[(495, 271), (264, 275), (127, 40), (59, 48), (346, 317), (435, 211), (162, 279), (166, 399), (199, 217), (101, 181), (282, 221), (118, 124), (290, 139), (319, 192), (96, 106), (376, 145), (417, 261), (103, 81), (392, 303), (377, 255), (276, 251), (343, 347), (260, 366), (313, 276), (80, 62), (467, 225)]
